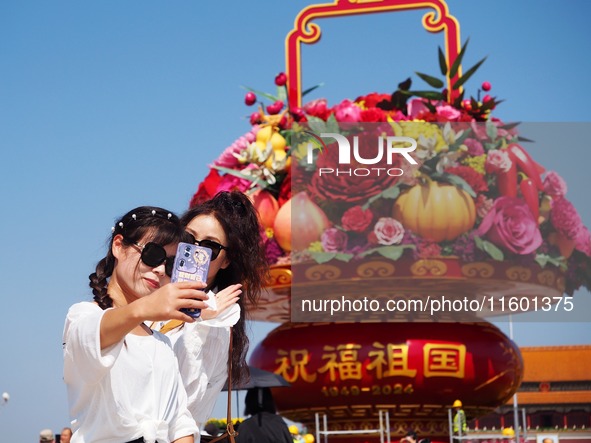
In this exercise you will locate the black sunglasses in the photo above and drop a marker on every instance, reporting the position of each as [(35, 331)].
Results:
[(215, 247), (153, 255)]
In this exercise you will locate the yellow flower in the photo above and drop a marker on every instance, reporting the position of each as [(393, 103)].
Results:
[(476, 163), (316, 247), (431, 133)]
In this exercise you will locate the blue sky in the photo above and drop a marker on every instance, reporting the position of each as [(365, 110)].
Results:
[(109, 105)]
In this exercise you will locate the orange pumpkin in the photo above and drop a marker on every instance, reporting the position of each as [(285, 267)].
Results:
[(436, 210)]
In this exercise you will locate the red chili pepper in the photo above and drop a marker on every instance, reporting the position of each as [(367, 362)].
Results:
[(507, 181), (526, 164), (531, 197)]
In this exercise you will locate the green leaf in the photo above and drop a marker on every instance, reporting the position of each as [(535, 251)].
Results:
[(261, 93), (322, 257), (343, 257), (255, 180), (442, 62), (455, 180), (458, 101), (489, 248), (490, 104), (282, 93), (405, 85), (430, 107), (307, 91), (332, 125), (544, 259), (460, 139), (491, 130), (468, 74), (393, 252), (430, 95), (431, 81), (391, 193), (458, 61), (510, 125), (317, 125)]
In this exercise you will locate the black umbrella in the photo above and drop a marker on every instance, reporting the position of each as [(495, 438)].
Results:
[(260, 378)]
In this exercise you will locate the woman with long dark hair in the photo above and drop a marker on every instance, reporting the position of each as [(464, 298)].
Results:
[(227, 224)]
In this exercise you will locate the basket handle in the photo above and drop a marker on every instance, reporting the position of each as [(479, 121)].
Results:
[(306, 32)]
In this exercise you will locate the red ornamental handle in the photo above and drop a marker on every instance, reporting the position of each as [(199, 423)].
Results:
[(306, 32)]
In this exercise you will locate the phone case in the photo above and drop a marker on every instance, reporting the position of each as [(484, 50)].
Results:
[(191, 263)]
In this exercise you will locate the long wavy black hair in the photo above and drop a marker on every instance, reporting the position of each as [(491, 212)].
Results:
[(145, 222), (248, 264)]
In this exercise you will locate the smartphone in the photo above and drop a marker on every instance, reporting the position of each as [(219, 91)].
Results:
[(191, 263)]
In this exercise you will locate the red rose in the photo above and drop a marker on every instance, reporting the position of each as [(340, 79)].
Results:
[(354, 182), (356, 219), (318, 108), (207, 188)]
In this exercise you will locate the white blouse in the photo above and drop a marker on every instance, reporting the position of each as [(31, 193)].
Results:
[(129, 390), (202, 350)]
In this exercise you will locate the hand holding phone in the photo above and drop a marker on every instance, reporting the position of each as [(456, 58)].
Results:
[(191, 264)]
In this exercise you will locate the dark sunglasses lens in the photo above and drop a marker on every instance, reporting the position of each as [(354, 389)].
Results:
[(216, 248), (190, 238), (153, 254)]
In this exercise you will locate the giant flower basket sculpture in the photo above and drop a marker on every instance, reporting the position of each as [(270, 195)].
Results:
[(418, 194)]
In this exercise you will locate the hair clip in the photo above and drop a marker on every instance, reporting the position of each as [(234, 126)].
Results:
[(121, 225), (153, 212), (169, 215), (112, 228), (134, 216)]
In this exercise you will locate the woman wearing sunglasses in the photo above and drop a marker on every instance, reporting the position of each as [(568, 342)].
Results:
[(123, 379), (229, 226)]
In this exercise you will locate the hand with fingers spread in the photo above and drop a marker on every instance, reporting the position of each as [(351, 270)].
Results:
[(224, 299)]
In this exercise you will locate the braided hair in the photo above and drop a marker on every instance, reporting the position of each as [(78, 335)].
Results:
[(160, 225), (246, 254)]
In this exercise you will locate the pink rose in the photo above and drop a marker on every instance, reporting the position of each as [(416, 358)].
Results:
[(388, 231), (449, 113), (565, 218), (415, 106), (474, 147), (317, 108), (510, 225), (356, 219), (333, 240), (497, 161), (554, 185), (347, 111)]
